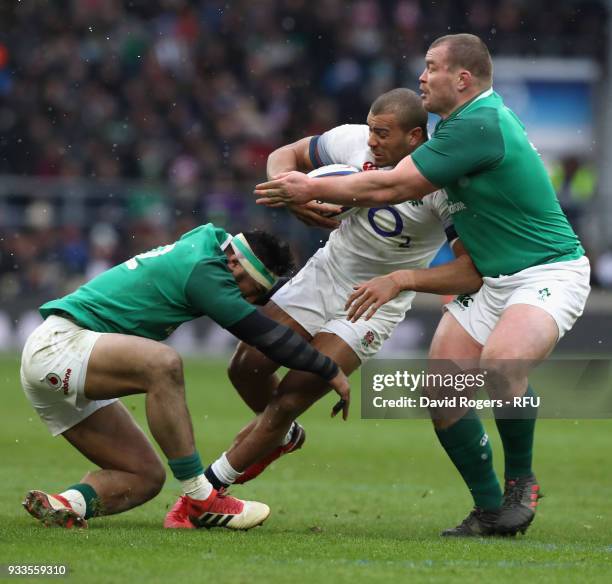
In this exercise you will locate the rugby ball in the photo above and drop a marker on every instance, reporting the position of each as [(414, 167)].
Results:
[(336, 170)]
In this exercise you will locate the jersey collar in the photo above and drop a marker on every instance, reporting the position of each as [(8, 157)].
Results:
[(467, 104)]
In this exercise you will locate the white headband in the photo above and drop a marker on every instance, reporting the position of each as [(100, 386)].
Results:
[(252, 265)]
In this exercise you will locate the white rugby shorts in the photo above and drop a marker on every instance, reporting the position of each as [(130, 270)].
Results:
[(560, 288), (315, 298), (53, 369)]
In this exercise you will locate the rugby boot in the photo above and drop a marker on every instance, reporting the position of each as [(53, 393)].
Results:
[(519, 507), (478, 523), (298, 436), (52, 510), (219, 510)]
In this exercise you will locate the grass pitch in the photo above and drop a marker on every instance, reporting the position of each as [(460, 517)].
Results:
[(364, 501)]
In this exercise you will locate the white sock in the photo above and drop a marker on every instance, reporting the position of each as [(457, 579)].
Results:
[(76, 500), (287, 437), (197, 487), (224, 471)]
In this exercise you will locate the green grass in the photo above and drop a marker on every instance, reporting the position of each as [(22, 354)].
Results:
[(364, 501)]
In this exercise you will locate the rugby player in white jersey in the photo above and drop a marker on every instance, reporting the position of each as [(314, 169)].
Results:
[(367, 243)]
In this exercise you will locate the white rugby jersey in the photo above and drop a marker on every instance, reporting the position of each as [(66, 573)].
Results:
[(373, 242)]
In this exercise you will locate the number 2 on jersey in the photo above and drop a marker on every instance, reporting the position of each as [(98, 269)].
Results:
[(132, 263), (397, 229)]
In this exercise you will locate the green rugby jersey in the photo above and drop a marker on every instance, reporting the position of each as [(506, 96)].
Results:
[(153, 293), (501, 199)]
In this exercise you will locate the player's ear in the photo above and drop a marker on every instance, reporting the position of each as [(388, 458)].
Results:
[(464, 80), (415, 137), (232, 260)]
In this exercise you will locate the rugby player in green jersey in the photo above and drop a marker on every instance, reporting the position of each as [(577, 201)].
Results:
[(535, 274), (102, 342)]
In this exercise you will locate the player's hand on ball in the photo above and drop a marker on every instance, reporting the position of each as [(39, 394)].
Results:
[(314, 214), (284, 189), (370, 296), (341, 386)]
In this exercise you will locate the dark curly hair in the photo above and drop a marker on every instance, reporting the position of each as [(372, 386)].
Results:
[(274, 253)]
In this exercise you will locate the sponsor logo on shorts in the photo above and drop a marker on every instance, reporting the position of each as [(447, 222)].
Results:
[(368, 339), (543, 294), (463, 301), (54, 380), (66, 381)]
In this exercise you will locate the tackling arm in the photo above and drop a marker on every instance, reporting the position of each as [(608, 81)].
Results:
[(285, 347), (457, 277), (282, 345), (365, 189)]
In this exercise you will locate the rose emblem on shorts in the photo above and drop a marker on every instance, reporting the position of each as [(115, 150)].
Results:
[(367, 339), (54, 381)]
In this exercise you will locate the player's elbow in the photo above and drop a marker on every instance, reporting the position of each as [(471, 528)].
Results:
[(396, 189), (289, 157), (474, 282), (387, 195), (471, 280), (379, 198), (402, 194)]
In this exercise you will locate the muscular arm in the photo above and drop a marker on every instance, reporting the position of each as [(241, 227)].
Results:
[(280, 344), (297, 156), (364, 189), (456, 277), (294, 156)]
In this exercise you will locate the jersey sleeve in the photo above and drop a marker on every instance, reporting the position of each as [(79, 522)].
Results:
[(211, 290), (283, 346), (438, 202), (336, 145), (460, 147)]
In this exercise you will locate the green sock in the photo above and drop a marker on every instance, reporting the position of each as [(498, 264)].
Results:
[(186, 467), (517, 437), (467, 445), (92, 501)]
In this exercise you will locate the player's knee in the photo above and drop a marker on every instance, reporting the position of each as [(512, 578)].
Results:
[(285, 408), (246, 362), (491, 354), (152, 478), (502, 361), (505, 372), (166, 368), (156, 480), (238, 365)]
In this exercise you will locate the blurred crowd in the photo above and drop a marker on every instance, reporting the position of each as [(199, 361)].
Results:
[(172, 106), (201, 90)]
